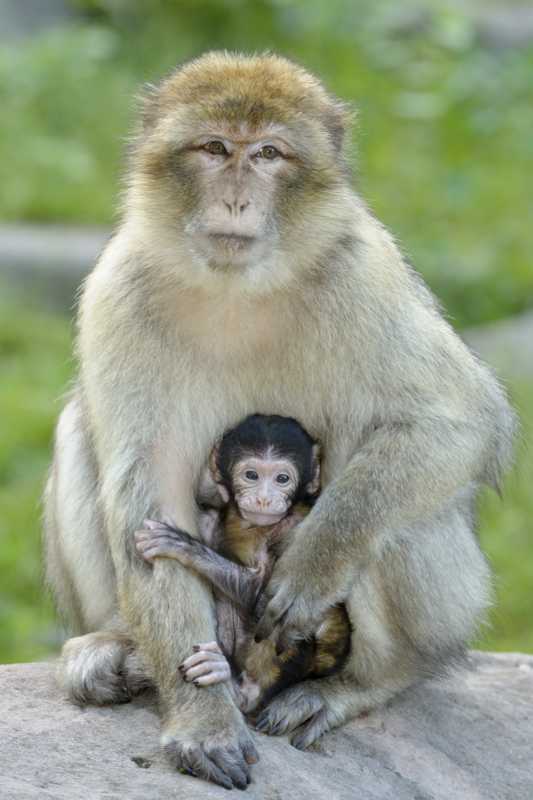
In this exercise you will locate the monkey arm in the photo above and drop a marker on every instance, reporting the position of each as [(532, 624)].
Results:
[(240, 584), (403, 473)]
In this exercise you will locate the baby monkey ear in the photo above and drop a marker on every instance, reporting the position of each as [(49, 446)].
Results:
[(216, 473), (313, 487)]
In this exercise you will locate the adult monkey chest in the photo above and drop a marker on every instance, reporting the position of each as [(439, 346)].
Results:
[(266, 355)]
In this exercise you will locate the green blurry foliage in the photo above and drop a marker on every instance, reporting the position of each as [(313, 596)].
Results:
[(35, 366), (443, 139)]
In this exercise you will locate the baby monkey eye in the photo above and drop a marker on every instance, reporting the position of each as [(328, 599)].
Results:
[(269, 152), (251, 475), (216, 148), (282, 478)]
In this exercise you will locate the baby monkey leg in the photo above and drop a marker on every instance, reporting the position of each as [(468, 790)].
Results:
[(240, 584)]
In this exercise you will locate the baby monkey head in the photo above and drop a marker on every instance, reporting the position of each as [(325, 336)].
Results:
[(265, 465)]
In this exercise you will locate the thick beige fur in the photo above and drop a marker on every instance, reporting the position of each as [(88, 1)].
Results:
[(331, 327)]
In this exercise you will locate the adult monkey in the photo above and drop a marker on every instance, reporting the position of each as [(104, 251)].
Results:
[(247, 276)]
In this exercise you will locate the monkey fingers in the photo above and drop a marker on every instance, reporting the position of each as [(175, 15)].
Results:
[(312, 730), (164, 543), (207, 666), (273, 615), (289, 710)]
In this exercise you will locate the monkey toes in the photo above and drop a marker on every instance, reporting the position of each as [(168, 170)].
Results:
[(207, 665), (222, 758)]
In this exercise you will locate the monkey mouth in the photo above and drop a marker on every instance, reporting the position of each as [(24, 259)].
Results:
[(232, 241), (260, 518)]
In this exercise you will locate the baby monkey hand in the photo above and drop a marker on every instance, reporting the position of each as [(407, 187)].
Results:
[(159, 540), (207, 665)]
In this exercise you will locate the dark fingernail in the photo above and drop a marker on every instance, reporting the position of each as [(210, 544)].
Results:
[(181, 668), (197, 684), (257, 638), (196, 648)]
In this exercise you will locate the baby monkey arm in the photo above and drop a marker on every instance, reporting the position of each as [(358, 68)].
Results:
[(240, 584)]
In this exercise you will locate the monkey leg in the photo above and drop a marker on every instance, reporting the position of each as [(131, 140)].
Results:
[(412, 613), (79, 570), (207, 665), (101, 667), (160, 609)]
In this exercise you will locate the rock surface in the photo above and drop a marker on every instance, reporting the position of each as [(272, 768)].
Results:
[(507, 345), (468, 737)]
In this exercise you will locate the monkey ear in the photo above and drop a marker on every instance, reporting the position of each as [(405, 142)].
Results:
[(313, 487), (216, 474), (148, 103), (338, 121), (213, 463)]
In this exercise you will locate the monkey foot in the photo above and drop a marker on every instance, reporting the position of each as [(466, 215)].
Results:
[(207, 666), (223, 758)]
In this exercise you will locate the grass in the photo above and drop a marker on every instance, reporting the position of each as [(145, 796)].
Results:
[(443, 139), (35, 368), (506, 536)]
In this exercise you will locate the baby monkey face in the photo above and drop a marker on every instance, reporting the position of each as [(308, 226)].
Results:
[(263, 488)]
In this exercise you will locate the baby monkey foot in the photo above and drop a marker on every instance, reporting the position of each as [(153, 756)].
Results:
[(207, 665)]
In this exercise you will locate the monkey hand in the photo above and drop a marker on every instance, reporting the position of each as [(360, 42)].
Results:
[(159, 540), (302, 588), (211, 742), (306, 710)]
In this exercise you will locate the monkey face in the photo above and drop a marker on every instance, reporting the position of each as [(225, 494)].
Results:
[(239, 160), (263, 488), (237, 175)]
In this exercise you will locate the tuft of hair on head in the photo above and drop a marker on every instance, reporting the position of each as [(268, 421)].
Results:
[(261, 89), (261, 433)]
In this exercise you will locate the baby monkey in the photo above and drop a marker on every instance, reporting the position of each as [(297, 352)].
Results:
[(267, 474)]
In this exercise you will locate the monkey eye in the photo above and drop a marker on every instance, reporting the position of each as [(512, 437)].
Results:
[(269, 152), (251, 475), (216, 148), (282, 478)]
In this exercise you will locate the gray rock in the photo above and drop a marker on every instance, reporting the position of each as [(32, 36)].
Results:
[(50, 261), (507, 345), (467, 737), (506, 26), (20, 18)]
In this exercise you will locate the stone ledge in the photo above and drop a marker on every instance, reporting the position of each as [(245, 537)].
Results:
[(468, 737), (50, 260)]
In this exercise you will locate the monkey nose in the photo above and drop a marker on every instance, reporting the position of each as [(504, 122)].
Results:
[(236, 207)]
